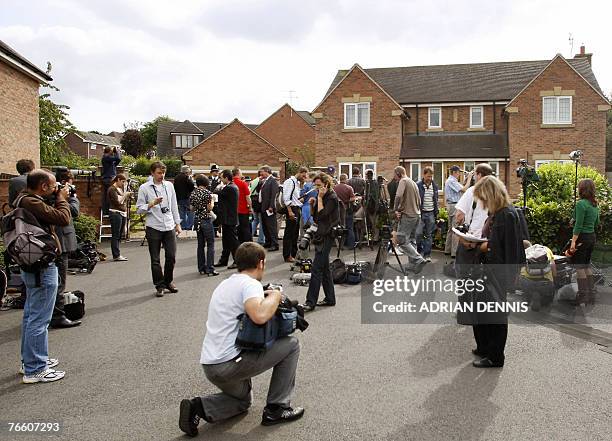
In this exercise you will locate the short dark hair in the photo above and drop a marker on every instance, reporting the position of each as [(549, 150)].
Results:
[(325, 179), (38, 177), (303, 169), (235, 171), (483, 169), (427, 170), (119, 177), (356, 171), (64, 176), (202, 180), (248, 256), (227, 174), (157, 164), (25, 166), (107, 149), (369, 172)]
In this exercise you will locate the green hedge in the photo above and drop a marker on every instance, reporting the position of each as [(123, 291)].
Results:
[(86, 227), (142, 166)]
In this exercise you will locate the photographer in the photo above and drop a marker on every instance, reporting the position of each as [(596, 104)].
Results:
[(230, 369), (184, 185), (118, 198), (346, 195), (291, 199), (41, 287), (452, 192), (157, 200), (19, 183), (68, 241), (110, 159), (371, 201), (326, 215)]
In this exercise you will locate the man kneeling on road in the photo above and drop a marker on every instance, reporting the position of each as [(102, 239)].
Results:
[(230, 369)]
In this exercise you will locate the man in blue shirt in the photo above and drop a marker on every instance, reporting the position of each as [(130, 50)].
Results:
[(157, 200), (453, 190)]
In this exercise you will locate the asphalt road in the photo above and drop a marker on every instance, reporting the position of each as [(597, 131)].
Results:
[(136, 356)]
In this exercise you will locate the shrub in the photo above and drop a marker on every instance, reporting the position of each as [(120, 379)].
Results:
[(173, 167), (86, 227), (141, 166)]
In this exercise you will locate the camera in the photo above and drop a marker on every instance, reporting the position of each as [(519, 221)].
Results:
[(339, 231), (273, 287), (165, 209), (302, 265), (385, 232), (71, 188), (307, 237), (132, 185), (463, 228), (576, 155)]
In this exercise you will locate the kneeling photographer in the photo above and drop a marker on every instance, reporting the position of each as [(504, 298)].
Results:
[(231, 369), (326, 214)]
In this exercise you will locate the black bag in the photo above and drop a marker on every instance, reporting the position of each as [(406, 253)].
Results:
[(75, 310), (253, 337), (353, 273), (338, 270)]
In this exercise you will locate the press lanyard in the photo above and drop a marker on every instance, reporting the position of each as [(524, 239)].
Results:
[(166, 190)]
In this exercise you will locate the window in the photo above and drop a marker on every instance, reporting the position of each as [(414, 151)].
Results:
[(468, 166), (476, 117), (540, 162), (437, 177), (187, 141), (435, 117), (495, 167), (93, 146), (357, 115), (415, 171), (347, 168), (557, 110)]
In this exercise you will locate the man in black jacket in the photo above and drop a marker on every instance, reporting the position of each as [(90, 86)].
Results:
[(228, 218), (267, 196), (19, 183), (110, 159), (183, 185)]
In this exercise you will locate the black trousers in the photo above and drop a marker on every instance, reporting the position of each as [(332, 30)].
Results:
[(155, 239), (62, 269), (491, 340), (229, 241), (292, 231), (105, 201), (270, 229), (244, 228), (321, 274)]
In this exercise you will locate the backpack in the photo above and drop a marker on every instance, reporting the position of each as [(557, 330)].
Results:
[(279, 203), (27, 242), (538, 263), (338, 270)]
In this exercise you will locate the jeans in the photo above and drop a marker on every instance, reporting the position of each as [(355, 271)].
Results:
[(62, 269), (185, 213), (206, 238), (37, 313), (408, 225), (261, 238), (155, 239), (321, 274), (424, 232), (233, 377), (117, 226)]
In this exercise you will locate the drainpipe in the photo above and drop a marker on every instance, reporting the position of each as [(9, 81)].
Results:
[(494, 117), (417, 119)]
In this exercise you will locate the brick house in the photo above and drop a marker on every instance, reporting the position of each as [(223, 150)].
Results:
[(90, 145), (19, 120), (235, 144), (462, 114)]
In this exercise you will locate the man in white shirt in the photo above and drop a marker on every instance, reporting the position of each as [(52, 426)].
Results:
[(230, 369), (291, 198), (157, 200)]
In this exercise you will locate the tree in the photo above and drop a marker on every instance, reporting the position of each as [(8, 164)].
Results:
[(149, 131), (53, 126), (131, 142), (609, 141)]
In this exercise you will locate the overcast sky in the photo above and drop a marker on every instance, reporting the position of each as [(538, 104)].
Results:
[(212, 61)]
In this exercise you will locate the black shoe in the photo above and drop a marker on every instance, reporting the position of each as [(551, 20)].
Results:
[(419, 266), (188, 418), (213, 273), (219, 264), (172, 288), (232, 266), (276, 248), (307, 307), (281, 416), (325, 302), (486, 363), (159, 291), (478, 353), (64, 322)]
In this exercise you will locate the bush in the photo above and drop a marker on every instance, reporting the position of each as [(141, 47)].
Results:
[(439, 240), (86, 227), (173, 167), (141, 166)]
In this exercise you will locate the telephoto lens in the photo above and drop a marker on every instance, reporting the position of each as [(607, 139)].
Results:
[(307, 237)]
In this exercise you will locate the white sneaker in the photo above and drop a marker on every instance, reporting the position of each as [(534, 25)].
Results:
[(399, 252), (120, 259), (51, 363), (46, 376)]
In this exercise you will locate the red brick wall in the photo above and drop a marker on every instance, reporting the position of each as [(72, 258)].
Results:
[(448, 119), (384, 140), (288, 130), (19, 135), (235, 145), (527, 138), (76, 144)]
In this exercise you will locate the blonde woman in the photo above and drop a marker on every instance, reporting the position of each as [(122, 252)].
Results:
[(503, 256)]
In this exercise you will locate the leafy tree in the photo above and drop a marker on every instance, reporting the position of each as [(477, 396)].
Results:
[(609, 141), (149, 131), (131, 142), (53, 126)]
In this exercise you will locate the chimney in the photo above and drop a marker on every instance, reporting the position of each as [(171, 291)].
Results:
[(583, 54)]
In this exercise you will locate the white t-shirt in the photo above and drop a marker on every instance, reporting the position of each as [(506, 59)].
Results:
[(227, 303), (475, 218)]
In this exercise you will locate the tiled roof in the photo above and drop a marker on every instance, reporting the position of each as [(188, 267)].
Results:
[(446, 146), (462, 82), (306, 116), (14, 55), (99, 139)]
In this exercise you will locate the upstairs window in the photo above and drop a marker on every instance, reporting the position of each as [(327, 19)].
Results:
[(476, 119), (557, 110), (435, 118), (187, 141), (357, 115)]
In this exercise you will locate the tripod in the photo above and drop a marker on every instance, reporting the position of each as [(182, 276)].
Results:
[(382, 256)]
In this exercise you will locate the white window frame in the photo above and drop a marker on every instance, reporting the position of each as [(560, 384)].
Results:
[(472, 125), (439, 126), (93, 146), (363, 167), (540, 162), (495, 166), (356, 115), (418, 176), (557, 99), (442, 180)]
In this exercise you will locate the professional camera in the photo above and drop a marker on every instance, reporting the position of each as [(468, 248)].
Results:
[(307, 237), (302, 265), (71, 188), (385, 232), (463, 228), (132, 185), (339, 231), (273, 287), (576, 155), (165, 209)]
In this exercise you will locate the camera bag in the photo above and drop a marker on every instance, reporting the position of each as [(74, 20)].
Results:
[(76, 309), (253, 337)]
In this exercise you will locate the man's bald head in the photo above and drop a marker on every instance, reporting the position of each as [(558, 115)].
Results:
[(41, 182)]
